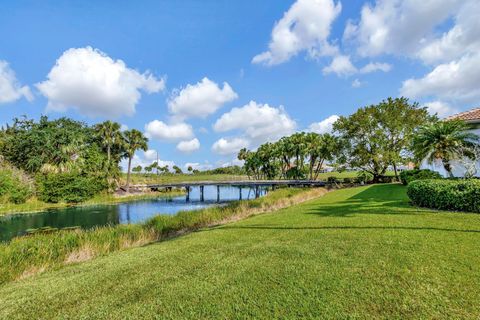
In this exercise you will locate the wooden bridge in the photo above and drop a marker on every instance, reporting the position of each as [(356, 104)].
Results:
[(256, 185)]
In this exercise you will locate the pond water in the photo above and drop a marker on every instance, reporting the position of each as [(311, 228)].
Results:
[(122, 213)]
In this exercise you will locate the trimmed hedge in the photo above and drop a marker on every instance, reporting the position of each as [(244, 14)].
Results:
[(418, 174), (456, 195)]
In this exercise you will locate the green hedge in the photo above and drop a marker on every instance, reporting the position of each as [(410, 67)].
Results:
[(14, 186), (68, 187), (457, 195), (418, 174)]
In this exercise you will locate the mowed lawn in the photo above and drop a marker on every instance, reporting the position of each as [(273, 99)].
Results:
[(355, 253)]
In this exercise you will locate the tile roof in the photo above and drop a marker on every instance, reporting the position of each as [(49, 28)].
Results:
[(469, 116)]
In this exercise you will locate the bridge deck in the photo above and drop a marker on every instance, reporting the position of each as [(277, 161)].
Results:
[(244, 183)]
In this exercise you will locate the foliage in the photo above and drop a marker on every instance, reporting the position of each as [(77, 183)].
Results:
[(299, 156), (133, 140), (177, 170), (15, 186), (378, 136), (458, 195), (444, 140), (408, 176), (68, 187)]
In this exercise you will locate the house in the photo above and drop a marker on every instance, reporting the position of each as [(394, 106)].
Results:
[(472, 118)]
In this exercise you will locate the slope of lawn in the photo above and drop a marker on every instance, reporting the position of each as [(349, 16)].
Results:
[(354, 253)]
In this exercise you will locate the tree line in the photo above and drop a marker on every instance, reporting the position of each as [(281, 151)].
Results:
[(373, 139)]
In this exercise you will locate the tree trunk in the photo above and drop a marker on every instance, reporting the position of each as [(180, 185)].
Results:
[(448, 168), (128, 173), (108, 153), (395, 169)]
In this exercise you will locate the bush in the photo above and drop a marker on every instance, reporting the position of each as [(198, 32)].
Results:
[(347, 180), (364, 177), (332, 179), (457, 195), (386, 179), (68, 187), (418, 174), (15, 186)]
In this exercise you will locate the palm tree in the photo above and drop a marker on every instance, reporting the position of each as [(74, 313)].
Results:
[(110, 134), (443, 140), (134, 140)]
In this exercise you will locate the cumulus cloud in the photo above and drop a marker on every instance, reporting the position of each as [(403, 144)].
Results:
[(188, 146), (10, 88), (356, 83), (304, 27), (159, 130), (441, 109), (226, 146), (324, 126), (198, 166), (398, 27), (259, 122), (341, 65), (456, 80), (95, 85), (376, 66), (200, 99)]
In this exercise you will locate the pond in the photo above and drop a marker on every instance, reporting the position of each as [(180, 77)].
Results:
[(122, 213)]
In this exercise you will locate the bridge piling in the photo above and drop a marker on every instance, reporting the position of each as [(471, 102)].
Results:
[(218, 193), (202, 198), (240, 193), (187, 188)]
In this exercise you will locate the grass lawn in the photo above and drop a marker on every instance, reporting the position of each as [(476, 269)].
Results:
[(354, 253)]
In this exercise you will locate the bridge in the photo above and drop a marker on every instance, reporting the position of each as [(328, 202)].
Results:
[(256, 185)]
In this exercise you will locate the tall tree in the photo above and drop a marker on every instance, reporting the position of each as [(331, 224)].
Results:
[(134, 140), (320, 148), (445, 141), (376, 136), (110, 135)]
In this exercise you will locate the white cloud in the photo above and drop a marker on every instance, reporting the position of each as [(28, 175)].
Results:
[(259, 122), (225, 146), (150, 155), (324, 126), (94, 84), (304, 27), (201, 99), (398, 27), (441, 109), (123, 127), (341, 65), (188, 146), (10, 89), (376, 66), (457, 80), (159, 130), (356, 83)]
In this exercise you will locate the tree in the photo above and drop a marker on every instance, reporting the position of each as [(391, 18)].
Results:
[(320, 148), (134, 140), (189, 169), (177, 169), (137, 169), (377, 136), (110, 135), (445, 141)]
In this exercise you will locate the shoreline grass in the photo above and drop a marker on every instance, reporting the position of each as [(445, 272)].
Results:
[(34, 205), (25, 256)]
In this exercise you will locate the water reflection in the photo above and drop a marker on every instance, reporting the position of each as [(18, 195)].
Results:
[(128, 212)]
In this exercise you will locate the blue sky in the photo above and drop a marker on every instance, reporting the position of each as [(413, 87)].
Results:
[(204, 78)]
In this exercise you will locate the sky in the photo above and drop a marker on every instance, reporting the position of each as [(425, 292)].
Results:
[(203, 79)]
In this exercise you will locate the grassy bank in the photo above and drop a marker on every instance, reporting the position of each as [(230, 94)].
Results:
[(34, 205), (361, 253), (26, 256)]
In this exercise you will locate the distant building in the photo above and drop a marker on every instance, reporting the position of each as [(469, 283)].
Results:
[(472, 118)]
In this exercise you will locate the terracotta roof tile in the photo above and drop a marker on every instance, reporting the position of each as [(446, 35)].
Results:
[(471, 115)]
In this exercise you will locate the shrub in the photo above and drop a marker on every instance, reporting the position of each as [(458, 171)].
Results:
[(457, 195), (347, 180), (386, 179), (332, 179), (364, 177), (15, 186), (68, 187), (418, 174)]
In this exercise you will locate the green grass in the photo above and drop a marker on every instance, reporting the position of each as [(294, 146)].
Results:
[(35, 205), (355, 253)]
